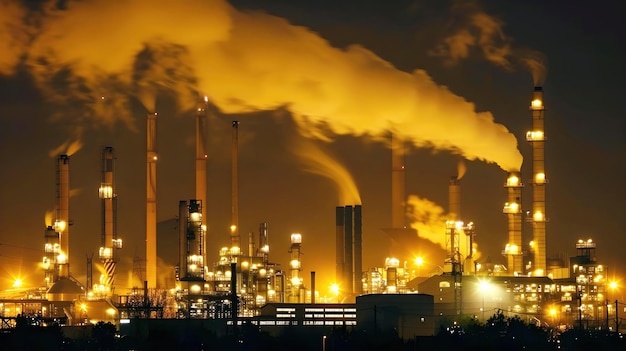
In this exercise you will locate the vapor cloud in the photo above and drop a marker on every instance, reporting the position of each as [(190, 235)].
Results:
[(483, 32), (248, 62)]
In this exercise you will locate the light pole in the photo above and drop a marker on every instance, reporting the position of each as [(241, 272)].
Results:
[(324, 343), (484, 287)]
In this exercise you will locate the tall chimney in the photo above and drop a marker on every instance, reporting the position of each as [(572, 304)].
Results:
[(537, 139), (183, 214), (348, 267), (234, 227), (108, 198), (339, 245), (151, 201), (397, 183), (201, 166), (313, 287), (264, 246), (454, 199), (513, 211), (358, 250), (62, 224)]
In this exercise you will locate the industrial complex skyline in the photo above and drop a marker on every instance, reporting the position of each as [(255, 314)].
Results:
[(317, 89)]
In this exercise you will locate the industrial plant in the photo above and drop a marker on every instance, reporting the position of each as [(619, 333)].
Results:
[(246, 286)]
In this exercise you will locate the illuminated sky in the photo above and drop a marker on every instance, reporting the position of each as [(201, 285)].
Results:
[(454, 80)]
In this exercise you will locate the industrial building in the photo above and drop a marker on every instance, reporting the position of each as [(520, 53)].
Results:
[(245, 286)]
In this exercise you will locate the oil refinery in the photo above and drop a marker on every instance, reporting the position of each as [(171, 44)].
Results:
[(246, 285)]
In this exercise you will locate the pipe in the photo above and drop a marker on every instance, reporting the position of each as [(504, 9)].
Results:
[(151, 201)]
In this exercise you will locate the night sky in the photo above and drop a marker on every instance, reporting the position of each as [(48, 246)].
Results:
[(454, 78)]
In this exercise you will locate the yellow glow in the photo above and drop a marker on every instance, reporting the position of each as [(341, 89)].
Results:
[(485, 286), (538, 216), (295, 281), (195, 288), (419, 261), (536, 135), (540, 178), (295, 264), (195, 216), (536, 103), (111, 312), (553, 312), (538, 272), (61, 258), (613, 285), (296, 238), (334, 288), (511, 207), (17, 283), (105, 191), (59, 226), (233, 228), (392, 262), (512, 181)]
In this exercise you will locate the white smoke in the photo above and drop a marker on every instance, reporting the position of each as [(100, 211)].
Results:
[(247, 62)]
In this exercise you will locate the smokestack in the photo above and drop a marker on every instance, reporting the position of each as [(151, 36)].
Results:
[(234, 227), (513, 211), (348, 267), (62, 224), (537, 139), (151, 201), (358, 251), (313, 287), (397, 182), (339, 244), (296, 265), (108, 198), (201, 164), (264, 246), (183, 213), (454, 199)]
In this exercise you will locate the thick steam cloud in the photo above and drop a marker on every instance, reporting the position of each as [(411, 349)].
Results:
[(245, 62), (476, 29)]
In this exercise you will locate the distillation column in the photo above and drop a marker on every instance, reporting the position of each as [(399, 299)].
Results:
[(151, 202), (513, 210), (537, 139)]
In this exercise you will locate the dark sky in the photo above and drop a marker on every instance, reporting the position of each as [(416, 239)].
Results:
[(48, 99)]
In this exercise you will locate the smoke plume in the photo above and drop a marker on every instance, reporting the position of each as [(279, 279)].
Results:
[(321, 163), (249, 61), (429, 219), (479, 30)]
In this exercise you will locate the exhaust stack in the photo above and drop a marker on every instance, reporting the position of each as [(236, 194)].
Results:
[(201, 165), (513, 210), (397, 183), (62, 223), (151, 202), (109, 241), (537, 139), (234, 227)]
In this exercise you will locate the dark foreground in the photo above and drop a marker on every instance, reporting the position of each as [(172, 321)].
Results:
[(499, 333)]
